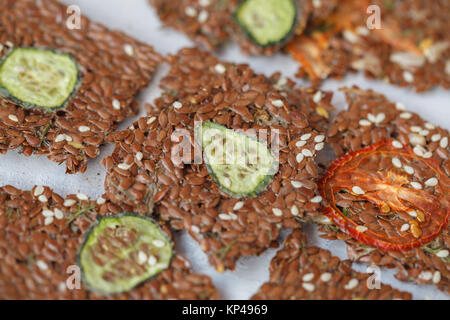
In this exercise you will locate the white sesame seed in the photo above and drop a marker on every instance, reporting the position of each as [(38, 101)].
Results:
[(177, 105), (116, 104), (361, 229), (280, 83), (152, 260), (297, 184), (195, 229), (380, 118), (233, 216), (151, 120), (427, 155), (278, 103), (371, 117), (238, 205), (317, 3), (220, 68), (13, 117), (322, 220), (325, 277), (42, 198), (416, 185), (139, 156), (408, 169), (48, 213), (203, 16), (424, 132), (101, 201), (9, 44), (59, 214), (436, 277), (357, 190), (190, 11), (129, 50), (300, 143), (142, 257), (158, 243), (42, 265), (38, 191), (60, 137), (397, 144), (416, 139), (418, 150), (432, 182), (316, 199), (415, 128), (404, 227), (82, 196), (408, 76), (124, 166), (299, 157), (350, 36), (412, 213), (400, 106), (224, 216), (406, 115), (204, 3), (48, 220), (442, 253), (84, 129), (307, 153), (430, 126), (425, 275), (435, 137), (62, 286), (68, 138), (396, 162), (227, 182), (306, 136), (319, 138), (362, 31), (444, 143), (317, 97), (308, 287), (364, 123), (69, 202), (351, 284), (319, 146), (277, 212), (294, 210), (308, 277)]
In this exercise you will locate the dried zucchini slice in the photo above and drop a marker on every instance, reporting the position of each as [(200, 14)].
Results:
[(267, 22), (123, 251), (38, 78), (241, 165)]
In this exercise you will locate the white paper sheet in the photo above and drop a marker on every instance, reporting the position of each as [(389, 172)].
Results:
[(138, 19)]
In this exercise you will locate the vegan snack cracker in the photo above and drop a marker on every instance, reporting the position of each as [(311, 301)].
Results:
[(62, 91)]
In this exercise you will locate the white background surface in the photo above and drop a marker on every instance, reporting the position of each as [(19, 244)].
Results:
[(138, 19)]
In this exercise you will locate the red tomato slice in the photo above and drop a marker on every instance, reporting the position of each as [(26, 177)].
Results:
[(387, 197)]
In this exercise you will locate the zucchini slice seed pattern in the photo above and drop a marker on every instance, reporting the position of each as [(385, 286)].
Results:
[(120, 252), (241, 165), (38, 78), (267, 22)]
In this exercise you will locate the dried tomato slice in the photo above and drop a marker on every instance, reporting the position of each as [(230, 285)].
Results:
[(386, 196)]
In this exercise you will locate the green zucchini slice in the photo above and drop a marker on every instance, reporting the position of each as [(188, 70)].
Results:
[(267, 22), (38, 78), (122, 251), (241, 165)]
